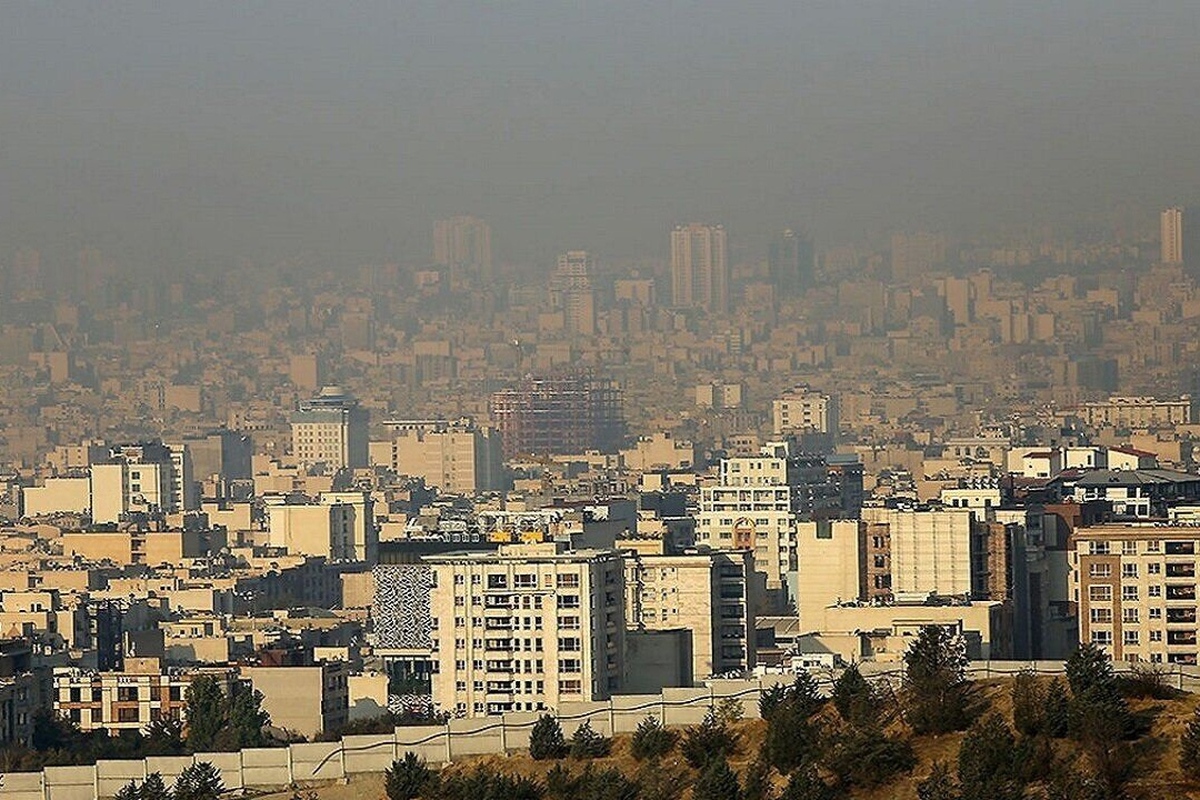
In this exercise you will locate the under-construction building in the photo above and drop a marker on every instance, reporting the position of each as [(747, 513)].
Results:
[(565, 414)]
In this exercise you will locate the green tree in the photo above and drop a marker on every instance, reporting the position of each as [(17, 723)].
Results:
[(988, 766), (709, 740), (867, 757), (546, 741), (586, 743), (164, 737), (1189, 748), (651, 740), (200, 781), (406, 778), (770, 699), (793, 738), (1056, 718), (661, 780), (939, 784), (806, 784), (1029, 704), (206, 712), (757, 781), (127, 792), (246, 717), (938, 692), (729, 710), (854, 698), (1089, 670), (154, 788), (717, 782)]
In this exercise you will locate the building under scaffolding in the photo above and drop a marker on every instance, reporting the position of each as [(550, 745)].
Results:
[(565, 414)]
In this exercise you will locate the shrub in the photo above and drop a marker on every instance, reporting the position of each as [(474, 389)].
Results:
[(988, 767), (546, 741), (757, 781), (866, 757), (487, 783), (806, 784), (662, 780), (717, 782), (854, 698), (1189, 748), (729, 710), (1029, 704), (1147, 682), (200, 781), (586, 743), (938, 785), (1089, 670), (406, 778), (651, 740), (709, 740)]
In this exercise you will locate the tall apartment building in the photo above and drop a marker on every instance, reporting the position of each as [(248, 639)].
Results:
[(339, 527), (709, 594), (464, 241), (801, 410), (1135, 584), (1171, 229), (526, 628), (456, 456), (573, 283), (146, 478), (1137, 412), (700, 267), (790, 262), (330, 429), (929, 551), (565, 414)]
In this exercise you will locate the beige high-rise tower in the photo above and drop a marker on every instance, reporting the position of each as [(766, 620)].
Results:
[(573, 279), (463, 241), (700, 267), (1171, 230)]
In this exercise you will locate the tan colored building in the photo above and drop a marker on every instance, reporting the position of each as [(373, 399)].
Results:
[(307, 700), (456, 457), (829, 559), (463, 241), (1136, 588), (143, 547), (700, 267), (801, 410), (707, 594), (1137, 412), (526, 628), (659, 451), (340, 527), (930, 551)]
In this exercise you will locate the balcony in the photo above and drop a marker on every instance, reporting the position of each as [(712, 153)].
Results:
[(1186, 592), (498, 624), (498, 646), (1178, 616), (1180, 548), (497, 601), (1184, 637), (1184, 570)]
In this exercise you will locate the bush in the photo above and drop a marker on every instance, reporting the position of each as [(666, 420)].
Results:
[(988, 766), (586, 743), (546, 741), (1189, 748), (407, 778), (757, 781), (938, 785), (717, 782), (1147, 683), (709, 740), (806, 784), (1029, 704), (662, 780), (651, 740), (939, 696), (200, 781), (609, 784), (729, 710), (1089, 670), (855, 700), (486, 783), (866, 757)]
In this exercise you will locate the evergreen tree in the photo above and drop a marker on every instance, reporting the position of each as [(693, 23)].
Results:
[(154, 788), (709, 740), (770, 700), (127, 792), (938, 785), (246, 716), (406, 778), (806, 784), (854, 698), (661, 780), (988, 768), (164, 737), (717, 782), (200, 781), (939, 694), (793, 738), (1189, 748), (758, 781), (867, 757), (546, 741), (1029, 704), (651, 740), (586, 743), (206, 713), (1089, 670), (1057, 710)]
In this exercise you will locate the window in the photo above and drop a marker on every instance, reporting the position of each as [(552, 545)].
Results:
[(1129, 615), (1129, 592), (569, 644), (1099, 593), (568, 601), (1156, 636), (1102, 638), (1130, 637), (1100, 570), (1153, 546), (1153, 569), (1129, 548), (1154, 591), (1098, 548), (1129, 570), (1102, 615), (127, 715), (127, 694), (570, 687), (525, 581), (1154, 613)]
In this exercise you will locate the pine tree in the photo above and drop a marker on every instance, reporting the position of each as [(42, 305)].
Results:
[(1189, 748), (806, 784), (709, 740), (1090, 670), (792, 739), (757, 781), (164, 737), (939, 693), (407, 778), (1057, 711), (127, 792), (200, 781), (987, 762), (246, 716), (546, 741), (717, 782), (868, 757), (1029, 704), (206, 713), (938, 785), (651, 740), (854, 698), (586, 743), (154, 788)]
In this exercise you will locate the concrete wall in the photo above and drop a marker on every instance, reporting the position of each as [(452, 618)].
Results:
[(276, 768)]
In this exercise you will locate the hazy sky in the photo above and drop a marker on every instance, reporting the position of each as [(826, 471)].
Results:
[(344, 128)]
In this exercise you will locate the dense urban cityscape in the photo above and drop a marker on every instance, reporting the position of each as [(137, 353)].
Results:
[(746, 517)]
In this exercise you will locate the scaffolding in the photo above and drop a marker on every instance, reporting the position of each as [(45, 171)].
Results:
[(564, 414)]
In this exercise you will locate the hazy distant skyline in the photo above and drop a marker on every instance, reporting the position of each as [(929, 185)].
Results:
[(171, 131)]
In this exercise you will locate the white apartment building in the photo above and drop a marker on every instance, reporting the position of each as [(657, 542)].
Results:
[(526, 628), (801, 410), (330, 429), (1135, 584), (1136, 412), (706, 593), (930, 550), (750, 508)]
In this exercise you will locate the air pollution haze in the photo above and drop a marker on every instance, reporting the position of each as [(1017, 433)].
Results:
[(160, 131)]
